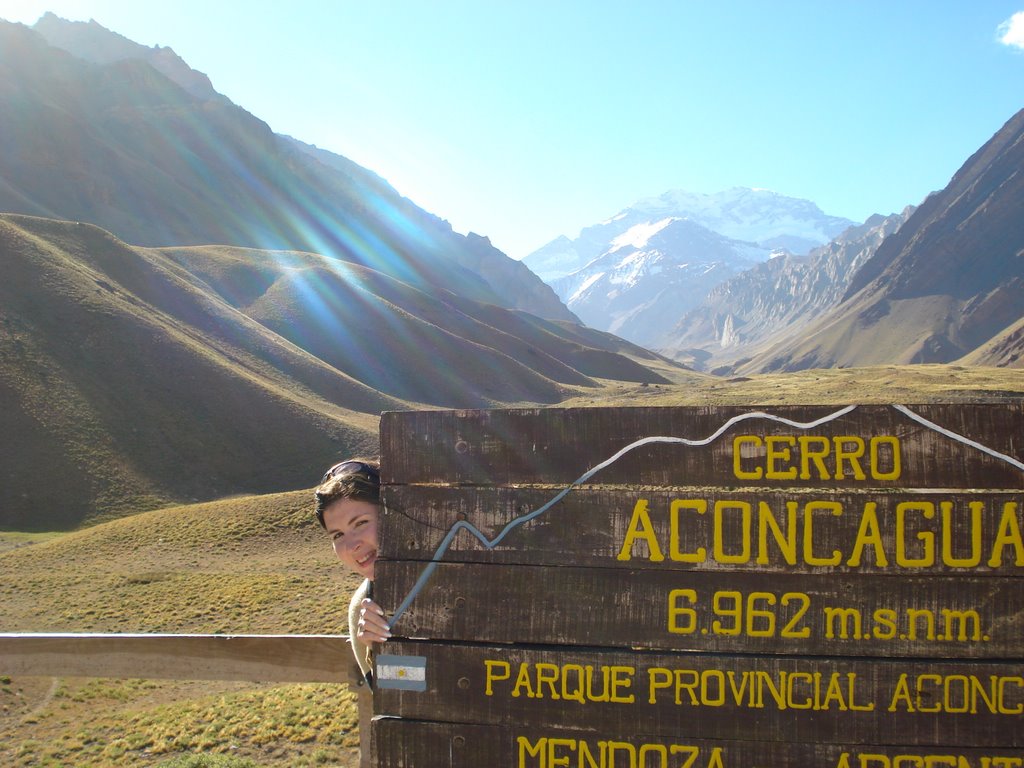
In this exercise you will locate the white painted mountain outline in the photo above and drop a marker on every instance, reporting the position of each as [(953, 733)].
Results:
[(461, 525)]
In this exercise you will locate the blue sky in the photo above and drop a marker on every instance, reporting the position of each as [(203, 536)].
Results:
[(523, 120)]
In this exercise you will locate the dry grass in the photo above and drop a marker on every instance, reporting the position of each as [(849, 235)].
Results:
[(246, 565), (880, 384), (125, 723)]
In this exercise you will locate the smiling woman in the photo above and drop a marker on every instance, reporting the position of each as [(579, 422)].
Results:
[(347, 506)]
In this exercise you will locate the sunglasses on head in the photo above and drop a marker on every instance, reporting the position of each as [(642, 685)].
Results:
[(351, 468)]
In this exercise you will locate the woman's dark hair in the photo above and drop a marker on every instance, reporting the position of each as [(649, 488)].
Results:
[(357, 479)]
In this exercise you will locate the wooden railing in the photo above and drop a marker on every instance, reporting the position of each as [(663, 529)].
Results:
[(265, 658)]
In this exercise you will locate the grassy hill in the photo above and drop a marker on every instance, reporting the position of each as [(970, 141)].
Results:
[(135, 378), (246, 565), (129, 388)]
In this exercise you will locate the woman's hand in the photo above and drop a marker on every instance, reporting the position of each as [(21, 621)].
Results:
[(372, 627)]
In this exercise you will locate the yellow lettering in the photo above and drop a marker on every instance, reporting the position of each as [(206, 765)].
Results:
[(771, 457), (605, 693), (922, 705), (849, 456), (927, 538), (957, 694), (817, 456), (885, 623), (659, 750), (914, 615), (869, 533), (687, 680), (640, 528), (791, 681), (677, 612), (523, 680), (894, 452), (712, 688), (785, 541), (588, 756), (547, 674), (622, 677), (911, 534), (1002, 683), (700, 507), (777, 692), (737, 447), (555, 760), (621, 746), (901, 695), (526, 749), (1008, 535), (690, 752), (834, 693), (974, 536), (573, 694), (809, 509), (657, 678), (744, 534), (489, 666), (869, 707), (777, 453)]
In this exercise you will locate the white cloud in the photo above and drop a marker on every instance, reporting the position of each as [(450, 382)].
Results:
[(1011, 31)]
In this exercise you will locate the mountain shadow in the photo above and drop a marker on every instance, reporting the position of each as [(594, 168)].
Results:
[(136, 377)]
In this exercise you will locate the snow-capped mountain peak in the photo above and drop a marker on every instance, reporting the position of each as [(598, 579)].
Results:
[(756, 215), (652, 261), (638, 236)]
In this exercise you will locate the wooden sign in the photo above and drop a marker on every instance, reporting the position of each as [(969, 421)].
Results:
[(797, 586)]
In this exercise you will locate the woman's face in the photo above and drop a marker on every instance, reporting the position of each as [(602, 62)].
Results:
[(352, 526)]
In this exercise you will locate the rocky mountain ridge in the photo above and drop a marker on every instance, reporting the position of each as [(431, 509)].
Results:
[(638, 272), (133, 140), (650, 267), (775, 299), (95, 43), (948, 285)]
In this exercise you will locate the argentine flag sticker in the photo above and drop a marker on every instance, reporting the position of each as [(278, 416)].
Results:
[(404, 673)]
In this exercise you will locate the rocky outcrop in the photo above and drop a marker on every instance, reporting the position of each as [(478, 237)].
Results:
[(946, 283), (776, 299), (92, 42)]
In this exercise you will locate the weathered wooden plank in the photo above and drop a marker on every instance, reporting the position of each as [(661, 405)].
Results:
[(943, 446), (282, 658), (898, 532), (700, 696), (620, 558), (797, 614), (413, 744)]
